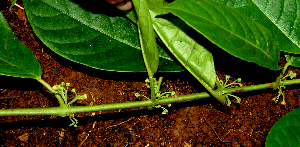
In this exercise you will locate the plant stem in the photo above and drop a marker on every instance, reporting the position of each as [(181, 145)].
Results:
[(58, 97), (159, 83), (103, 107), (285, 67), (64, 111), (153, 94), (216, 93), (260, 86)]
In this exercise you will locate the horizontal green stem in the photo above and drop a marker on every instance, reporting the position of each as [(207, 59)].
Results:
[(61, 111), (103, 107), (260, 86)]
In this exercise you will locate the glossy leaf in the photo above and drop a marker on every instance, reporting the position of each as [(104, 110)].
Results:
[(286, 131), (147, 36), (15, 58), (285, 16), (230, 30), (98, 38), (194, 57), (281, 17)]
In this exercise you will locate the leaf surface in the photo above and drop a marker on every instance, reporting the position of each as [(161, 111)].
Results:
[(15, 58), (97, 37), (229, 29), (286, 131), (281, 17)]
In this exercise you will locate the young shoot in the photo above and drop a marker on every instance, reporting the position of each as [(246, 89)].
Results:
[(158, 93), (226, 84), (62, 90), (278, 85), (290, 74), (73, 120), (235, 83), (280, 92), (77, 97)]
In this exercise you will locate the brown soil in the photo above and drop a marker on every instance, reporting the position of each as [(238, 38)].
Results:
[(195, 123)]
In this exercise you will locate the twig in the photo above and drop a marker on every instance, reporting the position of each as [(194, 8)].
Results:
[(82, 142), (19, 6), (119, 123), (92, 98)]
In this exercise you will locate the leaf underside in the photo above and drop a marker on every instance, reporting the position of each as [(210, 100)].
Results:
[(195, 58)]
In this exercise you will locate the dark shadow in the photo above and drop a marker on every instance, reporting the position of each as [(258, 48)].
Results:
[(99, 7), (169, 1), (21, 84), (4, 5), (108, 75), (60, 122), (124, 76)]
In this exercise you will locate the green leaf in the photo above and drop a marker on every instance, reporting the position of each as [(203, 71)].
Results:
[(99, 38), (147, 36), (230, 30), (281, 17), (286, 131), (15, 58), (285, 14), (194, 57)]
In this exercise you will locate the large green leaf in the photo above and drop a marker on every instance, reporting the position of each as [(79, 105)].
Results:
[(194, 57), (15, 58), (281, 17), (147, 36), (230, 30), (285, 132), (97, 38)]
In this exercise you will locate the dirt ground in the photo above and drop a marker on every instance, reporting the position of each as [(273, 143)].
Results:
[(195, 123)]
